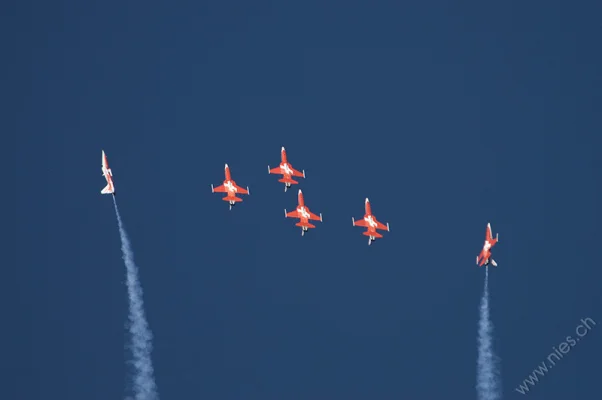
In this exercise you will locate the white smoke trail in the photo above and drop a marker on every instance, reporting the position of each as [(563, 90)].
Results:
[(145, 387), (488, 385)]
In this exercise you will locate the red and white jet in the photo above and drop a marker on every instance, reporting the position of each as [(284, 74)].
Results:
[(485, 257), (371, 223), (229, 186), (286, 170), (302, 212), (106, 172)]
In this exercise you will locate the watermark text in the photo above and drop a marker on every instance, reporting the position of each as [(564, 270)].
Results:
[(559, 352)]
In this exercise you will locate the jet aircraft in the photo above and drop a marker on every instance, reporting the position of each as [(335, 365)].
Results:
[(287, 171), (304, 214), (108, 174), (371, 223), (485, 257), (231, 188)]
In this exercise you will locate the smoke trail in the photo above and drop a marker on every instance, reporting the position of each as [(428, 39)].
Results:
[(488, 385), (144, 381)]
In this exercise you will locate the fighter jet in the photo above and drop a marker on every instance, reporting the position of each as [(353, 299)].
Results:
[(287, 171), (302, 212), (106, 172), (229, 186), (371, 223), (485, 257)]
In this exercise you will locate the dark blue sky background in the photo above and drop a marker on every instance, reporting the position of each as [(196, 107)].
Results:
[(445, 114)]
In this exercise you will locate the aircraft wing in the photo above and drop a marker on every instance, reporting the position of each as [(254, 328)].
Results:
[(298, 174), (219, 189), (380, 225), (359, 222), (241, 190), (481, 258), (292, 214), (277, 170), (315, 217)]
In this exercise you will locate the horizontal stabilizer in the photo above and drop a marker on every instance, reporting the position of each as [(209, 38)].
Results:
[(373, 234), (291, 181), (306, 225), (236, 199)]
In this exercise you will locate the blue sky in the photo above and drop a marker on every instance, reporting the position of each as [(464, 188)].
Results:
[(446, 115)]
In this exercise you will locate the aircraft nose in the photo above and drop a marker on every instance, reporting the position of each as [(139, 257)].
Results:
[(226, 166), (367, 201)]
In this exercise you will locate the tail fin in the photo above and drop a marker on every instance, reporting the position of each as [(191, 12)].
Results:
[(107, 190)]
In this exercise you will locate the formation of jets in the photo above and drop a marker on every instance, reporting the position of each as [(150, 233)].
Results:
[(302, 212)]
